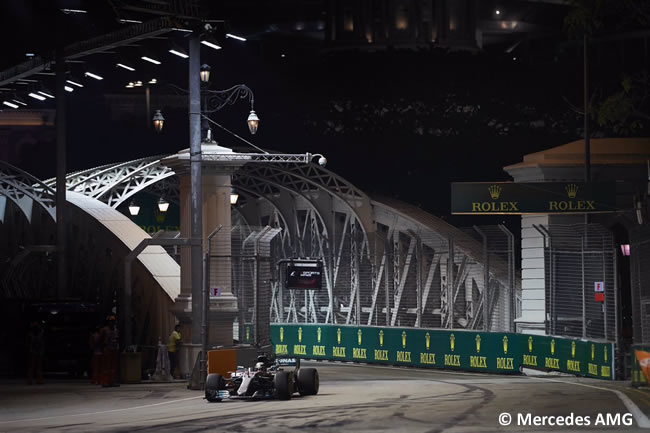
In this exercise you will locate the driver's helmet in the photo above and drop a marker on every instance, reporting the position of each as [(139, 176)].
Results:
[(260, 366)]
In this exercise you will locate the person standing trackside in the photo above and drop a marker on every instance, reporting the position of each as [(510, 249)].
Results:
[(95, 345), (111, 344), (172, 349), (36, 351)]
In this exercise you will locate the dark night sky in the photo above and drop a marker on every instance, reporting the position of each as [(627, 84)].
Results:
[(396, 123)]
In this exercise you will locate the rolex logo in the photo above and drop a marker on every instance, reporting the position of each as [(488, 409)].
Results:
[(338, 336), (505, 344), (381, 338), (427, 340), (359, 333), (495, 191), (478, 344), (571, 190), (281, 334), (404, 339), (452, 342), (318, 334), (552, 347), (299, 335), (593, 351), (530, 344)]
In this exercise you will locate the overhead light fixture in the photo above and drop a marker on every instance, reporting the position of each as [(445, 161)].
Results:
[(233, 196), (68, 88), (95, 76), (150, 60), (239, 38), (46, 94), (128, 21), (179, 53), (138, 84), (498, 12), (131, 85), (158, 121), (74, 83), (127, 67), (210, 44), (26, 80), (153, 81), (30, 55), (74, 11), (10, 104), (18, 101), (182, 30), (37, 96), (134, 209), (163, 205)]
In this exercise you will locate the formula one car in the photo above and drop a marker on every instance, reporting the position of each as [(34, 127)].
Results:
[(267, 380)]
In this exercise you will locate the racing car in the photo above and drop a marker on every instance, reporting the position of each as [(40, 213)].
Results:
[(269, 379)]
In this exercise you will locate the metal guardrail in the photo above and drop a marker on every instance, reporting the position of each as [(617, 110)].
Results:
[(492, 352)]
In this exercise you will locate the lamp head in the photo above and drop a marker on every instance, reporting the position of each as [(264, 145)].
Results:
[(253, 122), (205, 73), (158, 121)]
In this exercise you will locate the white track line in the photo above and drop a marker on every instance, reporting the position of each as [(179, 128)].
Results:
[(100, 412), (640, 417)]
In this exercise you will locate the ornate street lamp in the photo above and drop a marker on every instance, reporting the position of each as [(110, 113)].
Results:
[(205, 73), (134, 209), (163, 205), (233, 196), (253, 122), (158, 121)]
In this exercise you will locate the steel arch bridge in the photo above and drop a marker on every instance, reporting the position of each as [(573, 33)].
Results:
[(386, 263)]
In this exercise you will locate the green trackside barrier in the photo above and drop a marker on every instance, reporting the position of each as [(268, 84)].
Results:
[(637, 375), (451, 349)]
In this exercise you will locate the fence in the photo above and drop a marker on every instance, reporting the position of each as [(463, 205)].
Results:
[(407, 279), (580, 265)]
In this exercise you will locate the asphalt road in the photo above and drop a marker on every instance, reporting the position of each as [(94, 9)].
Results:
[(352, 398)]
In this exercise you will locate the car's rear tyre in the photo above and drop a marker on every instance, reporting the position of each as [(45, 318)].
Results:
[(308, 381), (213, 384), (284, 384)]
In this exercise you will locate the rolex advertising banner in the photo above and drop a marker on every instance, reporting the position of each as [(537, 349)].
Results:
[(451, 349), (531, 198)]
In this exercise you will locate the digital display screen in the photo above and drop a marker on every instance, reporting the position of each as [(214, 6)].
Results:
[(304, 275)]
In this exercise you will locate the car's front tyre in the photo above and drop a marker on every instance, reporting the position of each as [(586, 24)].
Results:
[(214, 383), (308, 381), (284, 384)]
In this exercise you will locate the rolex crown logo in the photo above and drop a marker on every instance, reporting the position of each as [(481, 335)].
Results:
[(403, 339), (478, 344), (495, 191), (281, 334), (505, 344), (299, 335), (160, 216), (338, 336), (359, 333), (571, 190), (318, 334), (573, 349), (452, 342)]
